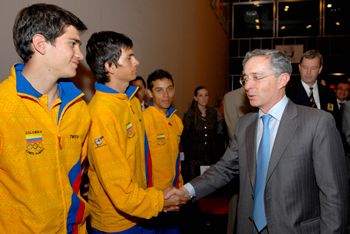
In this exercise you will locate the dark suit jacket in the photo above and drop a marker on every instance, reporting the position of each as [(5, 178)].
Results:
[(328, 99), (306, 187)]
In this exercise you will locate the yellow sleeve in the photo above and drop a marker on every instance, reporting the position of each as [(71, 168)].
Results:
[(113, 163)]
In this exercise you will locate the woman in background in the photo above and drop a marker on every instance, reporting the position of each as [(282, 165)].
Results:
[(198, 137)]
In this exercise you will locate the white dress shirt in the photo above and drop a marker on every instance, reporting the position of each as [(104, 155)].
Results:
[(276, 112), (315, 93)]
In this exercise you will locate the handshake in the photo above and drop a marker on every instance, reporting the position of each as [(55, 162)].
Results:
[(174, 198)]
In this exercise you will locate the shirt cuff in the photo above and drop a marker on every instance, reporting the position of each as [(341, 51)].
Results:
[(190, 189)]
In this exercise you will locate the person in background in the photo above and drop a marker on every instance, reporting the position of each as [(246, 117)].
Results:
[(141, 92), (221, 139), (198, 138), (309, 92), (163, 131), (118, 194), (43, 126), (342, 93)]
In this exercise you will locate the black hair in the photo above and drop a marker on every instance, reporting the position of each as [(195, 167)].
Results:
[(102, 47), (48, 20), (158, 75), (140, 78), (194, 104)]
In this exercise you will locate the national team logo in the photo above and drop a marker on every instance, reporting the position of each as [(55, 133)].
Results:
[(130, 130), (98, 141), (161, 139), (34, 142)]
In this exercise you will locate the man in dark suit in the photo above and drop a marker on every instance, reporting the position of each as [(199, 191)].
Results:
[(289, 159), (309, 92)]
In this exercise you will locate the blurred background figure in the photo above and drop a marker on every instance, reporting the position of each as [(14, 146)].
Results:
[(198, 137), (141, 92), (342, 92), (221, 139)]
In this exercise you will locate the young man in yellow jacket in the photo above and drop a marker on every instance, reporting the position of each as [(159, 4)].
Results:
[(163, 131), (118, 195), (43, 126)]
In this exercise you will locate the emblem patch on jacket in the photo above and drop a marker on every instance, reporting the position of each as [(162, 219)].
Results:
[(34, 142), (130, 130), (99, 142), (330, 107), (161, 139)]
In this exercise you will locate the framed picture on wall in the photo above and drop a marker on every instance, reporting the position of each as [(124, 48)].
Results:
[(293, 52)]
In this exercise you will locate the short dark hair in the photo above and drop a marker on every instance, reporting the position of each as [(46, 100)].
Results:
[(342, 82), (140, 78), (102, 47), (158, 75), (311, 54), (48, 20)]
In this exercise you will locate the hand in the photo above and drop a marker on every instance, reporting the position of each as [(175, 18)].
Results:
[(173, 198), (170, 191)]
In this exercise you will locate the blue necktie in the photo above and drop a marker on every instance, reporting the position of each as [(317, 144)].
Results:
[(261, 171)]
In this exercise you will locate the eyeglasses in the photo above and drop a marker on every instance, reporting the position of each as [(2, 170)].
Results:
[(245, 79)]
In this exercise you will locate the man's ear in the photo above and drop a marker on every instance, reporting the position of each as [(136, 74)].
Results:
[(39, 43), (284, 79), (149, 93), (320, 69), (110, 68)]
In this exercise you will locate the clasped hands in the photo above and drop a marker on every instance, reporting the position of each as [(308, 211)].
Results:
[(174, 198)]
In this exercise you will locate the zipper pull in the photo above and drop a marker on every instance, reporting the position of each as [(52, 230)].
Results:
[(59, 142)]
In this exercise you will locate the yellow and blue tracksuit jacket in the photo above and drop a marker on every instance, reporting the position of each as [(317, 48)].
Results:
[(163, 155), (118, 192), (41, 152)]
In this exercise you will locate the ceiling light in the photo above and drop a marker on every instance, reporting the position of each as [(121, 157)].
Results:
[(258, 27), (283, 27), (329, 5), (309, 26), (337, 23)]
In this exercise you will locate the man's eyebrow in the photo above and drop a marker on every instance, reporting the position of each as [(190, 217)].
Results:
[(254, 73), (76, 40)]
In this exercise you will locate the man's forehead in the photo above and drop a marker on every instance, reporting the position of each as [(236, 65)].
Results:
[(137, 83), (315, 61), (257, 65), (343, 85), (127, 51)]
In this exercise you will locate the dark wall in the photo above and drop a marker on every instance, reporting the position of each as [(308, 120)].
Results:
[(335, 51)]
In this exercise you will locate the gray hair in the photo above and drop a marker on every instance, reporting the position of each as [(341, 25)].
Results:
[(278, 60)]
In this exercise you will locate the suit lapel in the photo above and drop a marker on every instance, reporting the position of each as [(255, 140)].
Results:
[(303, 95), (321, 93), (251, 149), (284, 134)]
